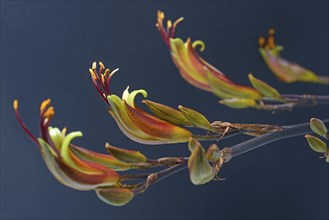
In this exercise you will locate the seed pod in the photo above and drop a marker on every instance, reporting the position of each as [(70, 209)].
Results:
[(318, 127), (316, 144)]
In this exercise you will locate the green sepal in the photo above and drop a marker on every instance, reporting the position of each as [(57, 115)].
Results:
[(264, 88), (196, 118), (126, 156)]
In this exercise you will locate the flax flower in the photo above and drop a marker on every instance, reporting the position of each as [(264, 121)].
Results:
[(63, 163), (135, 123), (195, 70), (285, 70)]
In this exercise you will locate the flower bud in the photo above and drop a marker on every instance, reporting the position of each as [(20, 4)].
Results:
[(200, 170), (124, 155), (167, 113), (238, 103), (115, 196), (264, 88), (318, 127), (213, 153), (316, 144), (196, 118)]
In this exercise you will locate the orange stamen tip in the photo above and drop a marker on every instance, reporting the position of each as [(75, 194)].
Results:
[(161, 14), (50, 112), (93, 75), (15, 104), (94, 66), (101, 65), (271, 31), (44, 104), (261, 41), (169, 24)]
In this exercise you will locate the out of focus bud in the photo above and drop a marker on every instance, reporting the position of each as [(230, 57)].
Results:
[(115, 196), (238, 103), (213, 153), (264, 88), (200, 170)]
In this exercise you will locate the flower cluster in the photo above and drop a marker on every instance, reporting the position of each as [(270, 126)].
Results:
[(199, 73), (79, 168)]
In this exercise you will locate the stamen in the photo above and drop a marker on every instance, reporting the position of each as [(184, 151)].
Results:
[(261, 41), (169, 25), (15, 105), (44, 104), (106, 73), (101, 68), (161, 15), (271, 31), (49, 112), (94, 66), (175, 25), (23, 126)]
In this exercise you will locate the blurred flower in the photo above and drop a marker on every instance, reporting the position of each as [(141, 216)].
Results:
[(135, 123), (285, 70), (196, 70), (66, 166)]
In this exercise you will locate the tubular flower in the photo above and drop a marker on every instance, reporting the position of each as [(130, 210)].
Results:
[(135, 123), (65, 165), (196, 70), (285, 70)]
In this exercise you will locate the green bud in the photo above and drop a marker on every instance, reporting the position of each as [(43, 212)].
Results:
[(124, 155), (238, 103), (115, 196), (167, 113), (196, 118), (316, 144), (264, 88), (200, 170), (318, 127)]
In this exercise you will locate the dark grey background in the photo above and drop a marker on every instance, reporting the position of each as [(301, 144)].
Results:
[(47, 48)]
